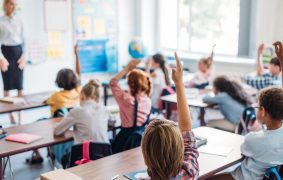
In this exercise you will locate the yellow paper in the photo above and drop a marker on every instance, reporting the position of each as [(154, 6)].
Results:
[(84, 24), (99, 27), (54, 38)]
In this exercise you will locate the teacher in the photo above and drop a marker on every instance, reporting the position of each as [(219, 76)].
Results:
[(11, 55)]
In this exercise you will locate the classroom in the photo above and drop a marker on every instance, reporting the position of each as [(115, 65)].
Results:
[(141, 89)]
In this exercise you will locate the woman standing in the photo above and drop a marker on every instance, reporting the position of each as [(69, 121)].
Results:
[(11, 55)]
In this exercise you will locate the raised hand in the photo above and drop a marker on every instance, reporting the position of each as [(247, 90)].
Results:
[(279, 50), (177, 72), (260, 48), (132, 64), (76, 49)]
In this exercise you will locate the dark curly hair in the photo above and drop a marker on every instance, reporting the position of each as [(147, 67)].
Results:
[(234, 89), (271, 99), (159, 59), (67, 79), (139, 81), (276, 62)]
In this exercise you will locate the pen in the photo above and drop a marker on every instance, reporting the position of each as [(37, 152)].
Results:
[(115, 177)]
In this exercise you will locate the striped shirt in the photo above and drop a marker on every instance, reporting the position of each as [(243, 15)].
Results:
[(126, 105), (263, 81), (190, 167)]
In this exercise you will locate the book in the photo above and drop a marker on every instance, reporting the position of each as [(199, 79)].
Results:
[(13, 100), (59, 174), (142, 174), (23, 138)]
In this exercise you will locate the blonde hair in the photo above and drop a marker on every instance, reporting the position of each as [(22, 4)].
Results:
[(163, 148), (91, 89), (207, 61)]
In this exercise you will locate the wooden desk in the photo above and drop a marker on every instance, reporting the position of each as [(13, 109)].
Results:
[(132, 160), (42, 128), (194, 102), (31, 101)]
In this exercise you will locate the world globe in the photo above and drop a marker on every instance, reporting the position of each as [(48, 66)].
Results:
[(137, 49)]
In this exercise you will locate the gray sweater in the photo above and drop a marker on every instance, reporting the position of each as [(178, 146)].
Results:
[(230, 108)]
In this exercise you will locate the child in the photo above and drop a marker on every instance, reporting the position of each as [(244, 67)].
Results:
[(90, 120), (135, 106), (265, 79), (204, 75), (160, 77), (263, 149), (231, 99), (69, 97), (169, 151)]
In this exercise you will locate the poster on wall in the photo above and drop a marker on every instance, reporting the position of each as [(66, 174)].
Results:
[(95, 30)]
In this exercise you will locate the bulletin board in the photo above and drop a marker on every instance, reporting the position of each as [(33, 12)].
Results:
[(95, 30)]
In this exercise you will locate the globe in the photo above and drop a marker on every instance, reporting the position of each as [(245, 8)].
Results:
[(137, 49)]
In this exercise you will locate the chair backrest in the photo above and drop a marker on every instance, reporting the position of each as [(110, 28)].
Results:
[(166, 91), (248, 117), (274, 173), (96, 151), (61, 112)]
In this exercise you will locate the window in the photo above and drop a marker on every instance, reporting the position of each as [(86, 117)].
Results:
[(195, 25)]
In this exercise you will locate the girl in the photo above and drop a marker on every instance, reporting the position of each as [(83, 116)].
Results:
[(204, 75), (160, 77), (232, 100), (170, 152), (135, 105), (69, 97)]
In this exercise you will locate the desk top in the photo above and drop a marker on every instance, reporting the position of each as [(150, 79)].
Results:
[(132, 160), (43, 128), (31, 101)]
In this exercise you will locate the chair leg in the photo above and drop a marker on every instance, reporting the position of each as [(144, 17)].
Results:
[(10, 168)]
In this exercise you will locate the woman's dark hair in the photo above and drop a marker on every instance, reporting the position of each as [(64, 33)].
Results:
[(67, 79), (234, 89), (159, 59)]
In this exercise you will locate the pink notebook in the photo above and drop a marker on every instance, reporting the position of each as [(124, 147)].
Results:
[(23, 138)]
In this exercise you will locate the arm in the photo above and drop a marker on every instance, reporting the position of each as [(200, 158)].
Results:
[(183, 111), (78, 65), (3, 62), (259, 64), (64, 125), (211, 100), (21, 60), (130, 66), (279, 52)]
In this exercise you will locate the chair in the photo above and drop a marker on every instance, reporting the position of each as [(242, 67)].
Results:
[(96, 151), (248, 118), (61, 112), (274, 173)]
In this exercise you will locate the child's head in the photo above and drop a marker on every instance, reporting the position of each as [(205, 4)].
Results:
[(139, 82), (274, 66), (90, 91), (234, 89), (270, 102), (159, 62), (163, 148), (67, 79), (205, 64)]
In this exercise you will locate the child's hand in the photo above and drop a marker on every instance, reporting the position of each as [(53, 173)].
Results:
[(76, 49), (260, 48), (132, 64), (177, 73), (279, 50)]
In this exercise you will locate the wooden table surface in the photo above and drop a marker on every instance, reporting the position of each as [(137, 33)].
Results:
[(31, 101), (132, 160)]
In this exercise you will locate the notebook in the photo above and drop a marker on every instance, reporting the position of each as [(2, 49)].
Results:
[(23, 138), (215, 150), (13, 100), (59, 174)]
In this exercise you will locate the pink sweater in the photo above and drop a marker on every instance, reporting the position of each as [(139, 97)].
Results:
[(126, 105)]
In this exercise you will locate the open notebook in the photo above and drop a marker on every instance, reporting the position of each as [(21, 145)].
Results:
[(13, 100), (23, 138), (59, 174)]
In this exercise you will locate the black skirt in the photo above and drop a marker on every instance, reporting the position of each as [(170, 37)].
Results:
[(13, 78)]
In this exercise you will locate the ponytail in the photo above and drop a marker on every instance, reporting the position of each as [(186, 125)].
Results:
[(159, 59), (91, 89)]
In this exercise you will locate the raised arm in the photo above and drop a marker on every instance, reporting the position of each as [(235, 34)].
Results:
[(183, 111), (279, 52), (259, 65), (78, 65), (130, 66)]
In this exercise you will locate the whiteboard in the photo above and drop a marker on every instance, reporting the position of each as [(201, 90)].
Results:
[(56, 15)]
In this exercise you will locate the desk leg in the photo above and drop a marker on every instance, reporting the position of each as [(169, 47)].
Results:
[(168, 110), (201, 116), (1, 169), (105, 95)]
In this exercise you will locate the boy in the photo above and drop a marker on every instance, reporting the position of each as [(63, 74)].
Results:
[(265, 79)]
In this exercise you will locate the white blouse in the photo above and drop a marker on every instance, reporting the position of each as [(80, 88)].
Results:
[(11, 31)]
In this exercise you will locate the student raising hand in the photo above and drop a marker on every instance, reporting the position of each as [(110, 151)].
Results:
[(132, 64), (183, 111), (279, 50), (259, 68)]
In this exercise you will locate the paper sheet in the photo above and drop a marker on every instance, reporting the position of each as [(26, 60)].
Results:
[(215, 150)]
